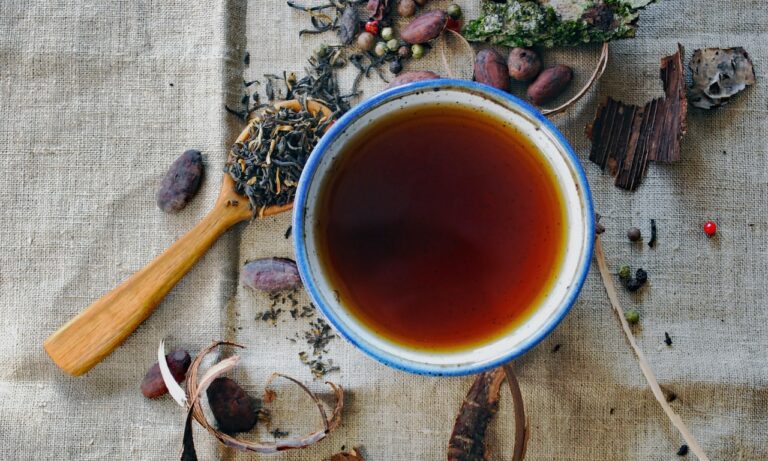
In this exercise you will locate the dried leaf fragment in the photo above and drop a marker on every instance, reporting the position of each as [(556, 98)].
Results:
[(719, 74), (626, 137)]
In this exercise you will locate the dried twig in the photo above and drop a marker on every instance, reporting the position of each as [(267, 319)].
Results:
[(645, 366), (602, 64)]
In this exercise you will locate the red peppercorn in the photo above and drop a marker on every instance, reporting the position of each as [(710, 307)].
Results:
[(372, 27), (710, 228), (453, 24)]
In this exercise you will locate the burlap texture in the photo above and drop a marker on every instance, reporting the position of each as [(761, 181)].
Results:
[(97, 98)]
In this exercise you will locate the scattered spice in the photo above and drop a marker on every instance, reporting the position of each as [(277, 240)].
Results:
[(288, 232), (247, 58), (683, 450), (718, 75), (523, 23), (645, 367), (625, 272), (181, 183), (626, 137), (278, 434), (317, 366), (152, 386), (710, 228), (634, 234), (556, 348), (270, 274), (632, 316), (633, 284), (667, 339), (319, 335), (654, 234), (353, 455)]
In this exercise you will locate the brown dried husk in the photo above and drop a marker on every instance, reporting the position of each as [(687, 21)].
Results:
[(467, 442), (197, 386)]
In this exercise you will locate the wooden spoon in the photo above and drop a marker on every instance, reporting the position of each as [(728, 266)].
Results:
[(93, 334)]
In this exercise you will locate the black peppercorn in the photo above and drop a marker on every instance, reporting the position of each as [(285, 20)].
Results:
[(683, 450), (395, 67), (633, 234), (641, 276)]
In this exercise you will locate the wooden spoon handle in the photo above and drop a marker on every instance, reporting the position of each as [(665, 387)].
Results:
[(93, 334)]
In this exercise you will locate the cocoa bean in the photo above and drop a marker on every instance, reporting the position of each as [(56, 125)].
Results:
[(524, 64), (491, 69), (231, 406), (413, 76), (270, 274), (550, 84), (424, 28), (153, 386), (181, 183), (406, 8)]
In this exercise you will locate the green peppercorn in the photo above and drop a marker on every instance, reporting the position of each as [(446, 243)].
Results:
[(454, 11), (320, 50), (387, 33), (380, 49), (632, 316), (417, 51), (625, 272), (393, 45)]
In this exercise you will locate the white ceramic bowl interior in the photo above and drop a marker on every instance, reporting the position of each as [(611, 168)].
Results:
[(575, 197)]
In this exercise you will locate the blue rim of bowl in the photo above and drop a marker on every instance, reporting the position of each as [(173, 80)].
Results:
[(300, 204)]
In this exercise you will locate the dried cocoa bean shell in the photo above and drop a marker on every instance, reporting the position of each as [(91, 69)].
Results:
[(425, 27), (233, 409), (181, 183), (491, 69), (270, 274), (550, 84), (152, 386), (524, 64), (378, 9), (412, 76)]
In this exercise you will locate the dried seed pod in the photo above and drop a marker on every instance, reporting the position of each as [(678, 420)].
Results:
[(181, 183), (152, 386), (425, 27), (406, 8), (270, 274), (524, 64), (231, 406), (491, 69), (413, 76), (550, 84)]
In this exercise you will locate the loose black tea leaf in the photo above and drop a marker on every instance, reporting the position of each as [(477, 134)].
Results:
[(652, 241)]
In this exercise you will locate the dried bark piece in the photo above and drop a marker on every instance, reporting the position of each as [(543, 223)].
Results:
[(467, 441), (626, 137), (719, 74)]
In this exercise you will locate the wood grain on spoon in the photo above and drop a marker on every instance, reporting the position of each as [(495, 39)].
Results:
[(89, 337)]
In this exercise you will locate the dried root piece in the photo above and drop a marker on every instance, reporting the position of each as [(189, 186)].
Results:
[(719, 74), (467, 441), (197, 386), (626, 137), (645, 366)]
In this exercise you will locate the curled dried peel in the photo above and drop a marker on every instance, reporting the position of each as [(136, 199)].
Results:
[(196, 387)]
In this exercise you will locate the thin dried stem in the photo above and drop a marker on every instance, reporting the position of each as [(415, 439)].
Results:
[(602, 64), (645, 366)]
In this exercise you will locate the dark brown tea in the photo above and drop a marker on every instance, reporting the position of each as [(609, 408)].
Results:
[(441, 228)]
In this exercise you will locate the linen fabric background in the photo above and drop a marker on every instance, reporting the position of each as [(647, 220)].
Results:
[(98, 98)]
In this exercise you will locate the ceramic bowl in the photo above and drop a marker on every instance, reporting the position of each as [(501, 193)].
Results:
[(575, 196)]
